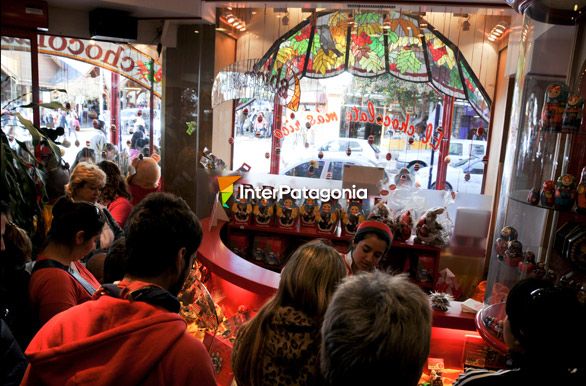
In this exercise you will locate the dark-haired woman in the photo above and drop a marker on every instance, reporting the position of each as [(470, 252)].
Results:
[(115, 195), (59, 281), (371, 241)]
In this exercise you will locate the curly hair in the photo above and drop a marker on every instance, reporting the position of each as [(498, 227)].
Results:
[(84, 173), (115, 183)]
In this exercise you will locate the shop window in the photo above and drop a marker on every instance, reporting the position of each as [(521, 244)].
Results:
[(104, 93), (16, 77)]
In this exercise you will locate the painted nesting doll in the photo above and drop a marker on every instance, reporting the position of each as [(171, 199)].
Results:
[(352, 216), (327, 216), (565, 192), (548, 193), (573, 114), (581, 193), (263, 211), (307, 212), (556, 96), (241, 209), (508, 233), (287, 212)]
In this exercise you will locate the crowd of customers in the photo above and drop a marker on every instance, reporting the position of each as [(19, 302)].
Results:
[(98, 305)]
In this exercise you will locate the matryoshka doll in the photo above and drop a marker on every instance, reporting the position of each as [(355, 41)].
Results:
[(508, 233), (327, 216), (556, 96), (287, 212), (263, 210), (241, 209), (547, 193), (573, 114), (565, 192), (581, 194), (308, 211), (352, 216)]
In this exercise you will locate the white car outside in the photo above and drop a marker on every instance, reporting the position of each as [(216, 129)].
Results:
[(360, 148), (460, 150), (456, 176), (326, 168)]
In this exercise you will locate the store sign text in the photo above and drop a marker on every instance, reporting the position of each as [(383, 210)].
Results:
[(356, 115), (291, 127), (119, 58)]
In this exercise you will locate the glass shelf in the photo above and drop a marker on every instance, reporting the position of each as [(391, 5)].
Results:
[(521, 197)]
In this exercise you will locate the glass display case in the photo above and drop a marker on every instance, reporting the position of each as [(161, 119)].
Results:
[(539, 230)]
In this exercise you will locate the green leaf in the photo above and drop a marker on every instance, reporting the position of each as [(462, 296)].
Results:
[(408, 62), (300, 47), (393, 37), (52, 105), (316, 45), (37, 136), (371, 64), (377, 47)]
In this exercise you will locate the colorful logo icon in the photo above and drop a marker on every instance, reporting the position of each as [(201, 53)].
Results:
[(226, 185)]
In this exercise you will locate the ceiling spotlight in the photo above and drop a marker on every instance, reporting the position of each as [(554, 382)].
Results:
[(229, 8), (230, 19), (491, 38), (253, 12), (575, 7), (242, 29), (195, 31)]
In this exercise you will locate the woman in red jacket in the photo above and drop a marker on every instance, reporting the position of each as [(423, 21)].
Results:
[(115, 195), (59, 280)]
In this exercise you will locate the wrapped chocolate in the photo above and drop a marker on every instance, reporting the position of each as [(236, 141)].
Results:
[(429, 231), (263, 211)]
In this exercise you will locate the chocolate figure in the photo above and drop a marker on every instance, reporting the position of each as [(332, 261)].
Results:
[(556, 96)]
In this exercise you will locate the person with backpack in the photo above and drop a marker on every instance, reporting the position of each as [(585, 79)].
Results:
[(59, 280)]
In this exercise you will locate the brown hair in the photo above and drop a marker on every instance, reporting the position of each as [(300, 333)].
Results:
[(19, 248), (307, 284), (115, 183)]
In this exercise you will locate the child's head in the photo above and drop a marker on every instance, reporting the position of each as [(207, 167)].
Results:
[(545, 323), (371, 241)]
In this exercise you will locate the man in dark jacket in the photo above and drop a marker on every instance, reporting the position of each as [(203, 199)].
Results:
[(131, 333)]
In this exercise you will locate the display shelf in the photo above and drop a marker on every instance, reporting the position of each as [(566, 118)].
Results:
[(497, 312), (298, 230), (520, 196)]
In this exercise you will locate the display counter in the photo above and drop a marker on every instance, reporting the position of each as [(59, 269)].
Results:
[(454, 338)]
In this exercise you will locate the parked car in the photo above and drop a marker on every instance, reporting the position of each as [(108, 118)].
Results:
[(460, 150), (456, 176), (327, 167), (360, 149)]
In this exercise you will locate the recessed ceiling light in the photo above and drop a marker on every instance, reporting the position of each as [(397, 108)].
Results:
[(254, 12)]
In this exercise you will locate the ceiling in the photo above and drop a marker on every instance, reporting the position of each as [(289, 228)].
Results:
[(191, 8)]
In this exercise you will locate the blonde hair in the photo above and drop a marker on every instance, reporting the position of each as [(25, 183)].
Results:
[(84, 173), (307, 284)]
